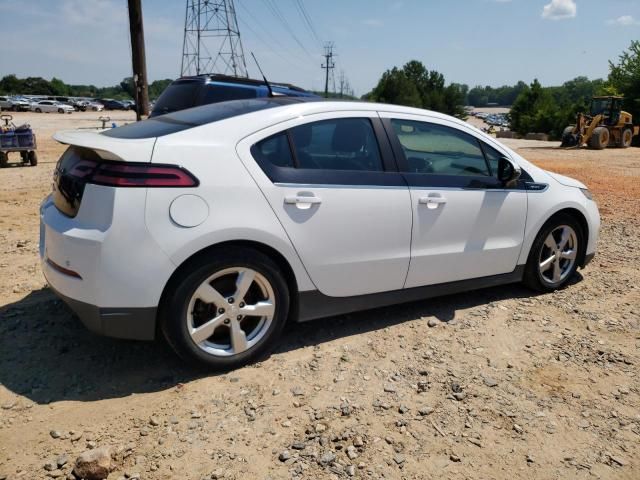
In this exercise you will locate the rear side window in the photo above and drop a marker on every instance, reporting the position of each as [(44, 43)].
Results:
[(437, 149), (222, 93), (274, 150)]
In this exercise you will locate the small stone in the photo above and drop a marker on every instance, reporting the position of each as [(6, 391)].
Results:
[(433, 323), (352, 452), (55, 434), (619, 460), (320, 427), (55, 473), (358, 441), (327, 458), (351, 470), (454, 458), (389, 388), (459, 396), (284, 456), (399, 459), (62, 460), (490, 382), (144, 431), (530, 459), (154, 422), (298, 446), (456, 388), (424, 411), (403, 409), (173, 420), (517, 428), (76, 436), (93, 464), (50, 465), (9, 405), (297, 391)]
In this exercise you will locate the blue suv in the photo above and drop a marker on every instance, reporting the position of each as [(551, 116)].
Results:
[(187, 92)]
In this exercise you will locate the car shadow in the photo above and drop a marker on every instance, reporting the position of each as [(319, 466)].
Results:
[(47, 355)]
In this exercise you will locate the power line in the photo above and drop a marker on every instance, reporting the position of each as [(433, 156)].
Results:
[(275, 10), (307, 20)]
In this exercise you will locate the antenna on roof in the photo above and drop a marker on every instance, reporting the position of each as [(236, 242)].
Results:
[(266, 82)]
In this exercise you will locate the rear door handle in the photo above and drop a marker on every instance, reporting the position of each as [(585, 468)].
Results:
[(302, 200), (432, 200)]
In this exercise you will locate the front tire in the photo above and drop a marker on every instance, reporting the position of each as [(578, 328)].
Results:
[(600, 138), (225, 309), (554, 255)]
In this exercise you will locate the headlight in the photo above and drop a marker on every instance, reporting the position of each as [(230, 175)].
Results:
[(586, 193)]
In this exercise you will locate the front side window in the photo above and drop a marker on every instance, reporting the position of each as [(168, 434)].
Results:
[(338, 144), (436, 149)]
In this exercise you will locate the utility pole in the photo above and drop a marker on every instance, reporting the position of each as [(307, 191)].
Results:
[(138, 59), (328, 65)]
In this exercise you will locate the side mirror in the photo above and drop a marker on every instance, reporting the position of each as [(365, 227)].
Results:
[(508, 172)]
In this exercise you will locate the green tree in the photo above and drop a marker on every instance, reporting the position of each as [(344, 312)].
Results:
[(624, 77), (395, 87)]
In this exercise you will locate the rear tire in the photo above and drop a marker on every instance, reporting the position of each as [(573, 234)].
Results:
[(33, 158), (626, 138), (60, 110), (600, 138), (202, 295), (4, 160), (38, 110), (555, 253)]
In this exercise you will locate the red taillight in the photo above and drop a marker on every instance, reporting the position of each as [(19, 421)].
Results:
[(124, 174)]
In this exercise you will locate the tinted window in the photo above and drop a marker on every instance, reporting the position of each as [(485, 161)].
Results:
[(180, 95), (222, 93), (274, 150), (339, 144), (432, 148)]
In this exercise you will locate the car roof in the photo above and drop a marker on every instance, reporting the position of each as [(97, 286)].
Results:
[(208, 77)]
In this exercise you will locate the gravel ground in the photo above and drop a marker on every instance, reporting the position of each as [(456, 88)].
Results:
[(496, 384)]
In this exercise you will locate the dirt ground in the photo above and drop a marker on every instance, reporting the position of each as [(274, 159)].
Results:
[(506, 384)]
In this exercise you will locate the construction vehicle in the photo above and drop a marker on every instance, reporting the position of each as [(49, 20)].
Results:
[(607, 125)]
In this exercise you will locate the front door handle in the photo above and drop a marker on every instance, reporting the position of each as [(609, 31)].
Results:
[(302, 201)]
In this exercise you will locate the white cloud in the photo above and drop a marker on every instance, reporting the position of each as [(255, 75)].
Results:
[(624, 21), (372, 22), (560, 10)]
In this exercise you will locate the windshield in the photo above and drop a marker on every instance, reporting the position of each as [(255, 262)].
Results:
[(599, 106)]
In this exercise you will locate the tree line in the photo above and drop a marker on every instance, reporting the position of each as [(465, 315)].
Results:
[(11, 84)]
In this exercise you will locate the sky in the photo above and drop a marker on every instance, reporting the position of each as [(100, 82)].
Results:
[(477, 42)]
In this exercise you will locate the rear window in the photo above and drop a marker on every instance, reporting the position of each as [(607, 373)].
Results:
[(180, 95), (193, 117)]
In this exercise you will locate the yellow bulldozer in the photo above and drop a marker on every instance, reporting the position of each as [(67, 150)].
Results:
[(607, 125)]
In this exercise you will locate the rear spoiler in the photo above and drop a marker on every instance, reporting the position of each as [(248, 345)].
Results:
[(109, 148)]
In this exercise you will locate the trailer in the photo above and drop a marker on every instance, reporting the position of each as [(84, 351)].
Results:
[(19, 139)]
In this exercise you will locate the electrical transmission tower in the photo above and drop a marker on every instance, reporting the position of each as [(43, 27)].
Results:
[(328, 66), (211, 26)]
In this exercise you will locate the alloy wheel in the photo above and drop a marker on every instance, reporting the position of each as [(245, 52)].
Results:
[(231, 311), (558, 255)]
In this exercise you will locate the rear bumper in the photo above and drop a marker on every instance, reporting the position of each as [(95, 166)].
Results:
[(129, 323)]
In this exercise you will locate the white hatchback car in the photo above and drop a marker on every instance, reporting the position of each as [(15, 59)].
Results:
[(215, 225)]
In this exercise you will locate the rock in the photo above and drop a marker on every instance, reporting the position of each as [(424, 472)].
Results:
[(399, 459), (454, 458), (456, 388), (284, 456), (424, 411), (9, 405), (517, 428), (94, 464), (358, 441), (75, 436), (352, 452), (351, 470), (327, 458), (530, 459), (433, 322), (50, 465), (459, 396), (619, 460), (55, 473), (403, 409), (490, 382), (297, 391), (62, 460), (298, 446), (154, 422), (55, 434), (173, 420), (389, 388)]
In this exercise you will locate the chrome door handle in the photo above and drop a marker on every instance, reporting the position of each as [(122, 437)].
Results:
[(300, 199), (432, 200)]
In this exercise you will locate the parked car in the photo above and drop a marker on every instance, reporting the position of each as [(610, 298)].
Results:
[(112, 104), (6, 104), (20, 104), (48, 106), (214, 225), (187, 92)]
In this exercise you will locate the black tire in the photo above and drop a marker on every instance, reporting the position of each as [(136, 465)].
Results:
[(533, 278), (4, 160), (24, 156), (626, 137), (179, 291), (600, 138), (33, 158), (60, 110), (38, 110)]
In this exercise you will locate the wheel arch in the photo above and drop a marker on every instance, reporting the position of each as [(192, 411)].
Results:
[(271, 252), (582, 222)]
